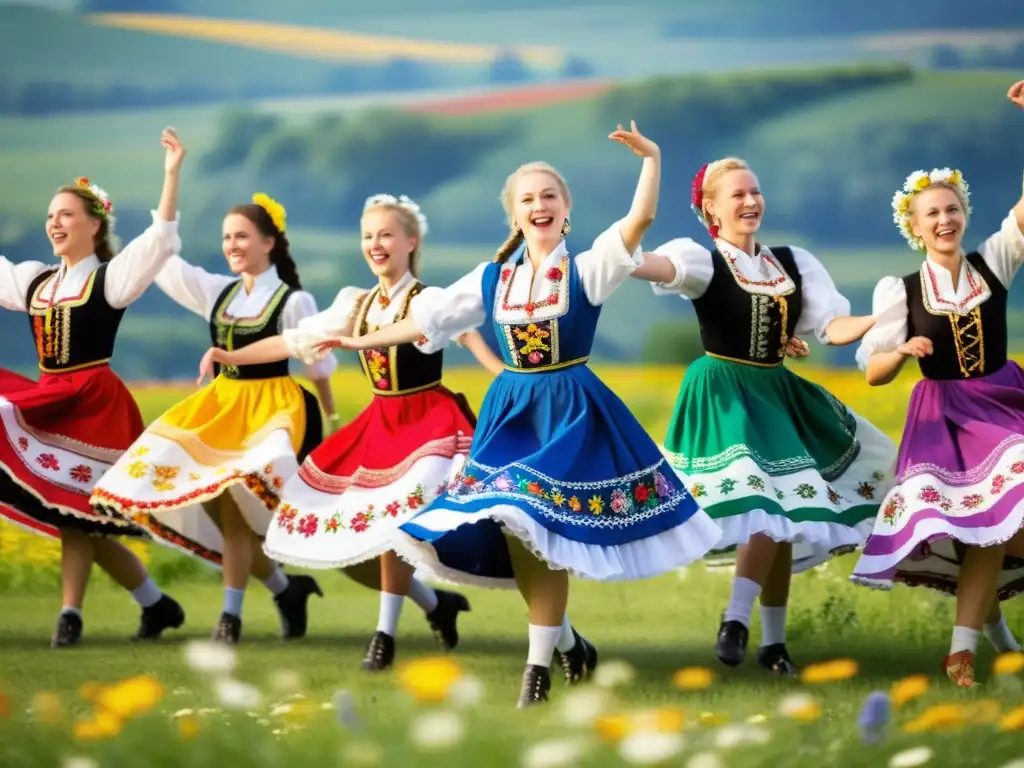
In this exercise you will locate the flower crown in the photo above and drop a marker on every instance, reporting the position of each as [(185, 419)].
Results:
[(103, 208), (916, 183), (697, 200), (406, 203), (274, 209)]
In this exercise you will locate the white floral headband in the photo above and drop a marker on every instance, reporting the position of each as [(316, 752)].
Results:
[(916, 183), (403, 202), (105, 208)]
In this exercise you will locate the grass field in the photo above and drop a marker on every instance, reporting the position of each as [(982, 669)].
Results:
[(656, 627)]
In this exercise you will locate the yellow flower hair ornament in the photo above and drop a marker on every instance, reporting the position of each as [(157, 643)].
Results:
[(103, 208), (916, 183), (274, 209)]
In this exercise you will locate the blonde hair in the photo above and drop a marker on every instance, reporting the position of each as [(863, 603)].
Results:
[(712, 175), (918, 182), (412, 220), (515, 238)]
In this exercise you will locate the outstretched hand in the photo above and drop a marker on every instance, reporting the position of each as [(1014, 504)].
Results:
[(635, 140), (175, 150), (1016, 93), (338, 342), (919, 346), (797, 347), (206, 366)]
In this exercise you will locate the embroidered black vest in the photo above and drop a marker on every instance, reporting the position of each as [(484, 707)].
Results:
[(964, 346), (74, 333), (231, 333), (397, 370), (748, 327)]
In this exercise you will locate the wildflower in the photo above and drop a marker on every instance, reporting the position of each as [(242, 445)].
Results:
[(554, 753), (940, 717), (467, 691), (234, 694), (908, 689), (131, 697), (730, 736), (830, 671), (1013, 720), (78, 761), (711, 718), (614, 673), (911, 758), (183, 713), (210, 657), (613, 727), (284, 681), (705, 760), (428, 679), (102, 725), (874, 717), (1008, 663), (46, 708), (650, 748), (800, 706), (437, 730), (188, 726), (583, 706), (757, 719), (983, 711), (693, 678), (90, 691)]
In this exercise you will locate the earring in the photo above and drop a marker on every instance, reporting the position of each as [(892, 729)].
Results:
[(566, 228)]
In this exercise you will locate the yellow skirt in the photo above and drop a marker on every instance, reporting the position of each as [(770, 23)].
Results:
[(236, 437)]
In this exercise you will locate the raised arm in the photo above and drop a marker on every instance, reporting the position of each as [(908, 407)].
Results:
[(682, 266), (826, 312), (133, 270), (885, 348), (1004, 250), (15, 280)]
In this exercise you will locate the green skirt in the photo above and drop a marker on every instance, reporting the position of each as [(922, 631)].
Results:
[(764, 451)]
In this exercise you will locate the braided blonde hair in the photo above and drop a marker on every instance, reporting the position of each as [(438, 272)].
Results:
[(515, 238)]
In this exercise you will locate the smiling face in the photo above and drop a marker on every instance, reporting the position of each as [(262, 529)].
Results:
[(245, 247), (70, 227), (538, 204), (937, 216), (389, 241), (736, 204)]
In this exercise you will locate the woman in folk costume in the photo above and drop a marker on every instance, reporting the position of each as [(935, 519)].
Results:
[(778, 462), (954, 520), (207, 475), (557, 460), (350, 495), (59, 434)]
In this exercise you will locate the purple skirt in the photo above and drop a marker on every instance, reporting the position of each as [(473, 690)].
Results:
[(960, 482)]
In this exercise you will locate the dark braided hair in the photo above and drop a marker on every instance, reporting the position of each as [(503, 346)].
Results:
[(280, 254), (93, 208)]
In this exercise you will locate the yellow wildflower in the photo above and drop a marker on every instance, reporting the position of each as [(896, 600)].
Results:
[(130, 697), (274, 209), (983, 711), (800, 707), (102, 725), (940, 717), (188, 726), (908, 689), (1013, 720), (428, 679), (693, 678), (830, 671), (46, 707), (1009, 663), (711, 718), (923, 183), (613, 727), (616, 727)]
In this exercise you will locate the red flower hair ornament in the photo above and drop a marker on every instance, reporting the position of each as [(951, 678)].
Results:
[(697, 200)]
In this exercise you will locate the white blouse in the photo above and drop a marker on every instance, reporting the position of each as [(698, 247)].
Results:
[(129, 273), (1003, 253), (694, 266), (339, 318), (197, 291), (460, 307)]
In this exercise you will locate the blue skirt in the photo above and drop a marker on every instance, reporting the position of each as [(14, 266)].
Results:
[(559, 461)]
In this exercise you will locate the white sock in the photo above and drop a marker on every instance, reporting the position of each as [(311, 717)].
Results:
[(566, 639), (542, 645), (71, 609), (277, 582), (390, 610), (741, 601), (148, 594), (773, 625), (425, 597), (999, 634), (233, 601), (964, 639)]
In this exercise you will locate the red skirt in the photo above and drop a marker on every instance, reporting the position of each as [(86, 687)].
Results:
[(58, 435), (388, 437)]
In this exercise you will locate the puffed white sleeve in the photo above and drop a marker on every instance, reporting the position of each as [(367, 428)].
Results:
[(299, 307), (822, 301), (190, 286), (1003, 251), (694, 268), (452, 312), (431, 297), (889, 307), (606, 265), (15, 280), (133, 270), (302, 337)]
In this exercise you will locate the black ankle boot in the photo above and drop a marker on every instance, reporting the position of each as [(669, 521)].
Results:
[(731, 647), (165, 613), (536, 684), (229, 629), (775, 658), (380, 653), (68, 630), (292, 605), (443, 619), (579, 661)]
